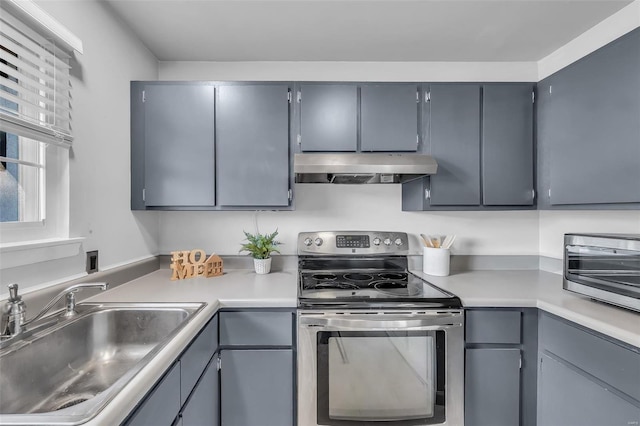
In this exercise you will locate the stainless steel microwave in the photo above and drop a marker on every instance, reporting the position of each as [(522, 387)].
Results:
[(605, 267)]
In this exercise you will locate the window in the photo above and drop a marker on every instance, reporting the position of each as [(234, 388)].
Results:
[(22, 179), (35, 123)]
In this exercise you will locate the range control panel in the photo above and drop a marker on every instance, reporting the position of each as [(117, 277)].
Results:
[(353, 242)]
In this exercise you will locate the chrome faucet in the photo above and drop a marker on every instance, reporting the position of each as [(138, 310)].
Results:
[(17, 310)]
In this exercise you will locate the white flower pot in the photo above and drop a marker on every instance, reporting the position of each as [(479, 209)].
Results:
[(262, 266)]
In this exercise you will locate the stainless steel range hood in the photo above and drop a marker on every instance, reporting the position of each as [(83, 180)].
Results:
[(362, 168)]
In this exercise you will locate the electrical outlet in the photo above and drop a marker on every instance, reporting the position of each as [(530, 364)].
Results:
[(92, 261)]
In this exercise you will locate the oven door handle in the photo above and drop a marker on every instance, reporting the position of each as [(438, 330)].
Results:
[(382, 324)]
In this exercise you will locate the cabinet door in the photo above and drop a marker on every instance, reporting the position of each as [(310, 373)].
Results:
[(162, 405), (455, 143), (252, 145), (594, 132), (203, 407), (493, 326), (492, 387), (569, 398), (257, 387), (507, 145), (256, 328), (197, 356), (329, 117), (389, 117), (179, 145)]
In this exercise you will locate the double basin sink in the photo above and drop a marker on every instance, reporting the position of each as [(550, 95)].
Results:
[(67, 370)]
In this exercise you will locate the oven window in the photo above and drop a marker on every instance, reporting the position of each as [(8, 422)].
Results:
[(609, 269), (369, 377)]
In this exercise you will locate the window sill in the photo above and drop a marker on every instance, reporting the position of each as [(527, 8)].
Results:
[(25, 253)]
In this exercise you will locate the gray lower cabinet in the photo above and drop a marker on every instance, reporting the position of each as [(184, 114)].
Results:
[(188, 392), (389, 117), (249, 382), (162, 405), (492, 386), (196, 358), (245, 328), (257, 367), (252, 145), (568, 397), (500, 367), (589, 131), (203, 406), (584, 378), (328, 117), (257, 387)]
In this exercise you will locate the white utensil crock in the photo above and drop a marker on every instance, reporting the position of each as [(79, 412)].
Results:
[(435, 261)]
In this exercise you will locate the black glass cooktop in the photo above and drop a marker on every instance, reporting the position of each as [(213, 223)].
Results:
[(366, 287)]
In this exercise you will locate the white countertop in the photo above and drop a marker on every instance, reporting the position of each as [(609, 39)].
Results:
[(243, 288), (542, 290)]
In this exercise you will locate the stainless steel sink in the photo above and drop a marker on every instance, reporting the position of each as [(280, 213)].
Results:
[(67, 372)]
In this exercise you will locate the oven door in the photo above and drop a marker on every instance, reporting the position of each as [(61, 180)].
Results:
[(374, 368), (608, 270)]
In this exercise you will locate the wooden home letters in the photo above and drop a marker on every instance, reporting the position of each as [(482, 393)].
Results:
[(189, 264)]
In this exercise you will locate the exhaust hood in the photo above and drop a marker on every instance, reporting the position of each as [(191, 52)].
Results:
[(362, 168)]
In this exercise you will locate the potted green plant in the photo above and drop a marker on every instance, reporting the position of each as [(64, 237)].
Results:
[(260, 246)]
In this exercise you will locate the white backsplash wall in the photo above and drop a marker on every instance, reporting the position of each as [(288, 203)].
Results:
[(352, 207), (99, 160), (554, 224)]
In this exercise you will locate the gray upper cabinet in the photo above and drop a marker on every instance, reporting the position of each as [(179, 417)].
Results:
[(179, 144), (389, 117), (210, 145), (252, 145), (507, 144), (328, 117), (482, 139), (589, 128), (455, 143)]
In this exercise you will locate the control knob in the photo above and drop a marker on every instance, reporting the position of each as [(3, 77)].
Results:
[(376, 241), (308, 241), (318, 241), (387, 242), (398, 242)]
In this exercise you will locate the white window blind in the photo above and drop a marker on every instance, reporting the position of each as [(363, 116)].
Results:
[(35, 120), (34, 83)]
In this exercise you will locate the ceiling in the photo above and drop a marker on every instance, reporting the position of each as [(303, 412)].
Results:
[(360, 30)]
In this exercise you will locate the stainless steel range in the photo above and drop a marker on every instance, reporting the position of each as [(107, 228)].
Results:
[(377, 345)]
